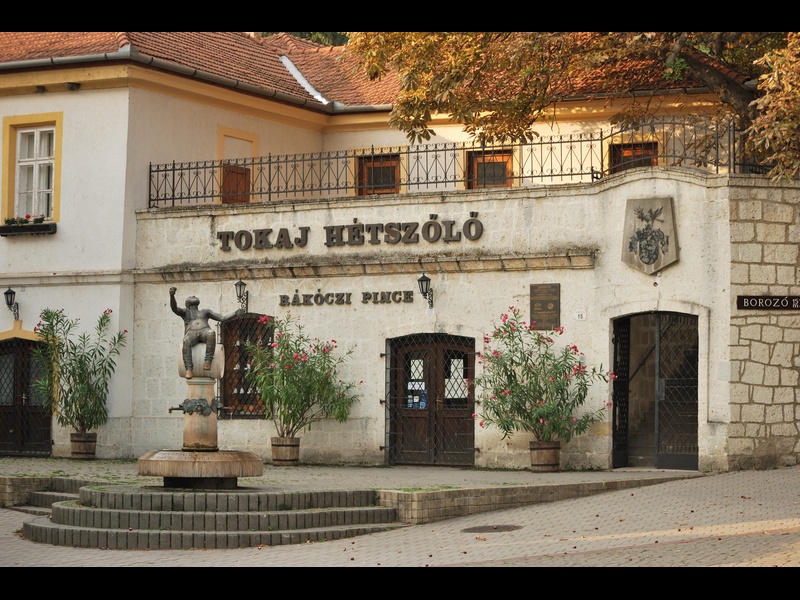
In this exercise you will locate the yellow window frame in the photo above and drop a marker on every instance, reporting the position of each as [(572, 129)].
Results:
[(649, 140), (11, 125), (380, 157), (471, 157)]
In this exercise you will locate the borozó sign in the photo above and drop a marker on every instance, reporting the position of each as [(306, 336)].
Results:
[(768, 302), (356, 234)]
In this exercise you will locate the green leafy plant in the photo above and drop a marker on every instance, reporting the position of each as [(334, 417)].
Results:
[(530, 385), (24, 220), (74, 373), (298, 378)]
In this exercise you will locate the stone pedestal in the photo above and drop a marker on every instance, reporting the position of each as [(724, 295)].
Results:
[(200, 464), (200, 470), (200, 416)]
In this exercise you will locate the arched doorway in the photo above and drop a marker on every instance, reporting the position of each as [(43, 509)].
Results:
[(25, 421), (655, 393), (429, 404)]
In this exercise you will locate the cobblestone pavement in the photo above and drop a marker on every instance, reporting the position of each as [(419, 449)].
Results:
[(741, 518)]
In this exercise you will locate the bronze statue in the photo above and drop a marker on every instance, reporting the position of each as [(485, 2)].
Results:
[(197, 329)]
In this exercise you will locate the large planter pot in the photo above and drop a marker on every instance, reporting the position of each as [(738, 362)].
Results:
[(545, 457), (285, 451), (83, 445)]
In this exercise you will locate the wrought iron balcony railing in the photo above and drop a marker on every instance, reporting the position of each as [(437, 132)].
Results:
[(698, 143)]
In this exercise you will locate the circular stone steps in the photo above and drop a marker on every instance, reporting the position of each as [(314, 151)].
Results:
[(135, 517)]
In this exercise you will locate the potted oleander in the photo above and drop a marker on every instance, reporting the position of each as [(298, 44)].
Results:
[(73, 372), (298, 379), (531, 384)]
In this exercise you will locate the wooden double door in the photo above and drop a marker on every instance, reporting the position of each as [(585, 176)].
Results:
[(430, 404)]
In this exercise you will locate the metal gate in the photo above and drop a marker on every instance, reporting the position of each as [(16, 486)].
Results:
[(25, 421), (655, 393), (676, 392), (429, 404), (622, 332), (238, 398)]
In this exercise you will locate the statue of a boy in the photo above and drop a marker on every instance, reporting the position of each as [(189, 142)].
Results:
[(197, 329)]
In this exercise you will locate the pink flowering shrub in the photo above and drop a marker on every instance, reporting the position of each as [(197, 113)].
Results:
[(298, 378), (529, 385)]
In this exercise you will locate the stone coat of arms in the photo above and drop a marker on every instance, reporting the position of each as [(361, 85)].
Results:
[(650, 241)]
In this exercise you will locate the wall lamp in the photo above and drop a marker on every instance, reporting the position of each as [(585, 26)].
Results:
[(241, 294), (425, 289), (12, 306)]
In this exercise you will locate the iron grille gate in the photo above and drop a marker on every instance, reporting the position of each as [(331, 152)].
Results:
[(659, 426), (25, 421), (622, 333), (676, 392), (429, 404), (238, 398)]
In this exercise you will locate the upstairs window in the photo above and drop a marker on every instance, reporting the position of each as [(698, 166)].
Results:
[(35, 171), (378, 174), (489, 169), (235, 188), (31, 165), (630, 156)]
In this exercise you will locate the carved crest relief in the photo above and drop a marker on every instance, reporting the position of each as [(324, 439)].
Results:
[(649, 240)]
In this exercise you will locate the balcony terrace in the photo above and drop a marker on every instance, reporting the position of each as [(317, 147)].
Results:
[(687, 142)]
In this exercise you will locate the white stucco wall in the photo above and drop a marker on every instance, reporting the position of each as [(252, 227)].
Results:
[(109, 138), (181, 248)]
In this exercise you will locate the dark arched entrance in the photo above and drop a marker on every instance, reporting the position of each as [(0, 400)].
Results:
[(655, 393)]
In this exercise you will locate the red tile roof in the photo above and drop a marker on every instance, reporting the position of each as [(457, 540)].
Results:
[(231, 55), (33, 45), (229, 58), (332, 72)]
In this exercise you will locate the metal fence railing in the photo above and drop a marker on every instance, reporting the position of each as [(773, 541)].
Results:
[(700, 143)]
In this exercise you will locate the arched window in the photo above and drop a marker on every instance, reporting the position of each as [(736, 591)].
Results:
[(238, 398)]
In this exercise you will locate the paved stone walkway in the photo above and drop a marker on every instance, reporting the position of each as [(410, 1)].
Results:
[(742, 518)]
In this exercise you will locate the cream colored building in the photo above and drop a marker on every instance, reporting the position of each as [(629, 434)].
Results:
[(157, 165)]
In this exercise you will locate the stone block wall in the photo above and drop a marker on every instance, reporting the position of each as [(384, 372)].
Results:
[(765, 344), (17, 490)]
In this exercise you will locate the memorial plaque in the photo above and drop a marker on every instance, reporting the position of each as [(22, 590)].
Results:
[(546, 306)]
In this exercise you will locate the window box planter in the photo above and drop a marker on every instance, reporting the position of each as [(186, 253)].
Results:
[(27, 229)]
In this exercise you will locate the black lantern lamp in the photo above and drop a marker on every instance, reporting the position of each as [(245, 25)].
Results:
[(425, 289), (12, 306), (242, 294)]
